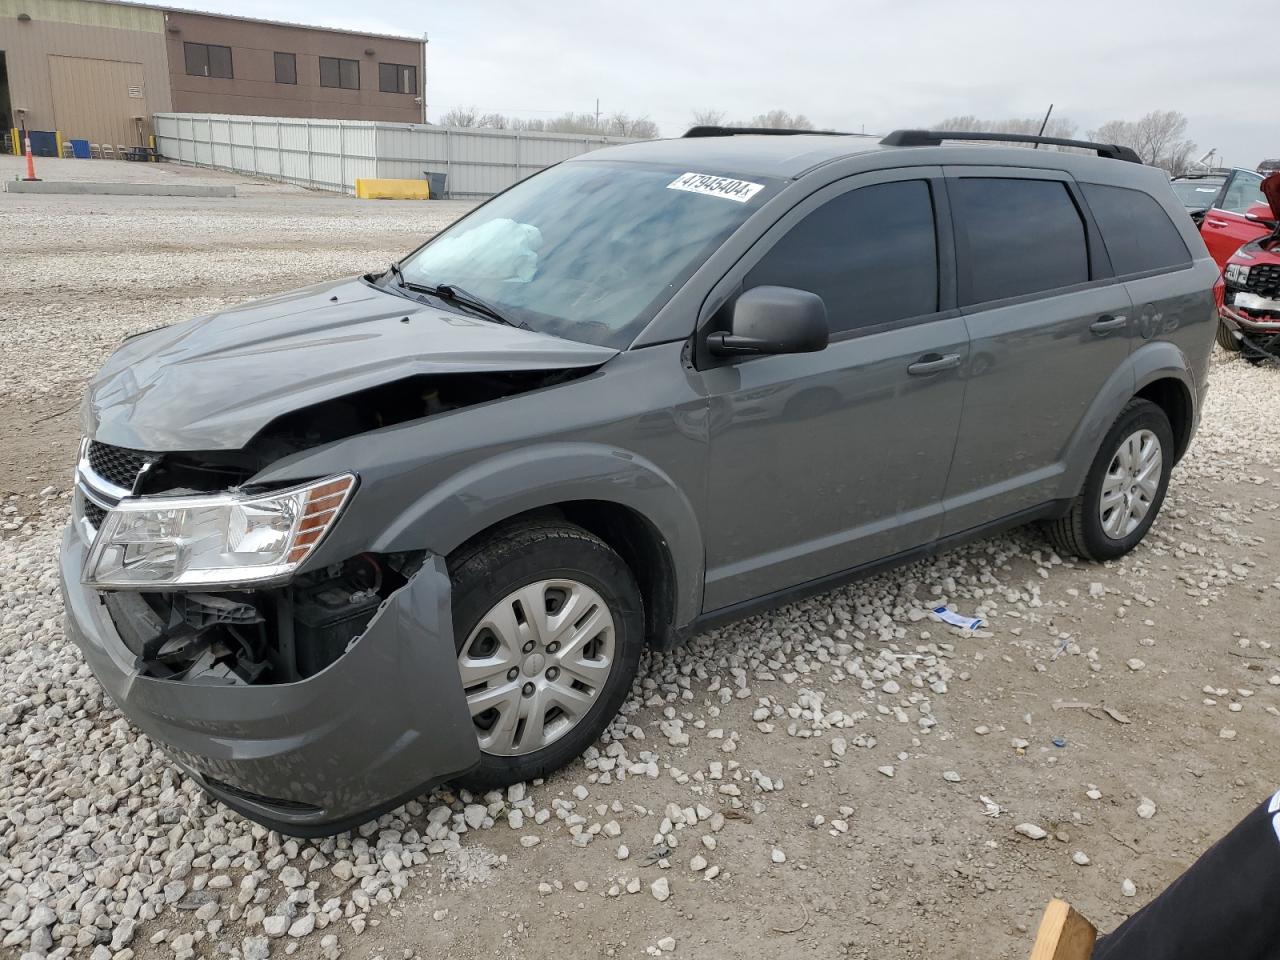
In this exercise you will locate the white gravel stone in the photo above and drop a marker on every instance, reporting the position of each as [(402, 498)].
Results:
[(1031, 831), (660, 889), (1080, 858), (275, 925), (1128, 888), (1146, 808)]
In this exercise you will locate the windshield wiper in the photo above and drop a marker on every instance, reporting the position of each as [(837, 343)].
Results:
[(455, 294), (396, 272)]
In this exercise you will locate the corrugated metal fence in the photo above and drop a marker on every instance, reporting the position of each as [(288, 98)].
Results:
[(332, 154)]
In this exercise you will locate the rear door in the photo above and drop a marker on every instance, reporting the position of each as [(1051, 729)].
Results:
[(1225, 228), (1047, 327), (823, 462)]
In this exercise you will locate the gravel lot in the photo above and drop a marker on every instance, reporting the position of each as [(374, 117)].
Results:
[(844, 777)]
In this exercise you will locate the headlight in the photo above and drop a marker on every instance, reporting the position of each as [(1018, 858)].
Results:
[(152, 542)]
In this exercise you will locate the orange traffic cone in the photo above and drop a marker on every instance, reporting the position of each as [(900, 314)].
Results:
[(31, 162)]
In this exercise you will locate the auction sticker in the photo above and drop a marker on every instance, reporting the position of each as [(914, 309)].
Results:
[(726, 187)]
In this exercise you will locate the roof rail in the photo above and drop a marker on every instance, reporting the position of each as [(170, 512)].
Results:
[(713, 131), (934, 138)]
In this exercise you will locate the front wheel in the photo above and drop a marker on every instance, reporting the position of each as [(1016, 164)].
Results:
[(548, 627), (1124, 489)]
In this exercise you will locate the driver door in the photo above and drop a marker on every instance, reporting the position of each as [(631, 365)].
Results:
[(824, 462)]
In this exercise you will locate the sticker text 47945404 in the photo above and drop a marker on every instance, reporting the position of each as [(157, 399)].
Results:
[(725, 187)]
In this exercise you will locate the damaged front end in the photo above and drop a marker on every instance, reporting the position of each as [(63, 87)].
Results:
[(244, 610), (1251, 298), (275, 626)]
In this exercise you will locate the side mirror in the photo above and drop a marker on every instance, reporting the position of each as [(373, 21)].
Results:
[(770, 320), (1262, 215)]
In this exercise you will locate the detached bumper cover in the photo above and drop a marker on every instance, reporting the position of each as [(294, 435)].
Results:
[(379, 726)]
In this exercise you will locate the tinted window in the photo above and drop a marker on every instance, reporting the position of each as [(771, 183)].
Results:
[(871, 254), (1016, 237), (397, 78), (207, 60), (1137, 232), (1243, 193), (286, 68), (336, 72)]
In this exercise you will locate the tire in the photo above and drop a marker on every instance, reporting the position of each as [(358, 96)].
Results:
[(536, 709), (1081, 531), (1226, 339)]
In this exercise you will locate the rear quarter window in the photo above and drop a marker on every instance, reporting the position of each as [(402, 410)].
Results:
[(1138, 234), (1016, 237)]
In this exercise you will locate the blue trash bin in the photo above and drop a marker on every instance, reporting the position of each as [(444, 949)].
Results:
[(44, 143)]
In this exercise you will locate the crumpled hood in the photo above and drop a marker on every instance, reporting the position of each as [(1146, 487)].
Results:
[(213, 382), (1271, 190)]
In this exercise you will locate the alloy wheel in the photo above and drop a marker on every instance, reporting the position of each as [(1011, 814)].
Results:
[(1131, 484)]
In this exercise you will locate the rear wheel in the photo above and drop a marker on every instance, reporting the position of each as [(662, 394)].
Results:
[(548, 628), (1124, 489), (1227, 338)]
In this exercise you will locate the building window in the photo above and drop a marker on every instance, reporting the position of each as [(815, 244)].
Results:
[(397, 78), (336, 72), (208, 60), (286, 68)]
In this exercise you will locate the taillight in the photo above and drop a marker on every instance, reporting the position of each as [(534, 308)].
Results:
[(1219, 292)]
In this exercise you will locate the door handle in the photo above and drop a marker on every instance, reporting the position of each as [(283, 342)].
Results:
[(1217, 223), (931, 363), (1106, 323)]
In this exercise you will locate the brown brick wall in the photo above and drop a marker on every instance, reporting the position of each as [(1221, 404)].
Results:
[(253, 90)]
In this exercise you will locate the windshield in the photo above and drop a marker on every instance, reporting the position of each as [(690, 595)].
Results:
[(1196, 194), (588, 250)]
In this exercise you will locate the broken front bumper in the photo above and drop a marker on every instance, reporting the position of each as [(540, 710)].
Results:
[(382, 724)]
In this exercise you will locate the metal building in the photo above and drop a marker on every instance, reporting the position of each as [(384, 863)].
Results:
[(99, 69)]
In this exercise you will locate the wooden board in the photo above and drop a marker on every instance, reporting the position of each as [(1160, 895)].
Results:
[(1063, 935)]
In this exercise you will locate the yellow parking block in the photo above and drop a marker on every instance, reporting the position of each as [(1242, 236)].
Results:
[(386, 189)]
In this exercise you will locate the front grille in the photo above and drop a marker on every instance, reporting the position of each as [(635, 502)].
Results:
[(94, 514), (118, 465)]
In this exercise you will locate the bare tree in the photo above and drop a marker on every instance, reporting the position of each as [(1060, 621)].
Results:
[(618, 125), (461, 117), (777, 120), (708, 118), (1056, 127), (1158, 138), (622, 125)]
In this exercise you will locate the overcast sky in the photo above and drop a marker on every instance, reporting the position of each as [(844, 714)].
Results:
[(873, 64)]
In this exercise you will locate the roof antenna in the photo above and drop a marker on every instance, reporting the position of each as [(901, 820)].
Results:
[(1044, 123)]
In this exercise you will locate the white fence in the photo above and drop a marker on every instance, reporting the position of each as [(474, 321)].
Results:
[(332, 154)]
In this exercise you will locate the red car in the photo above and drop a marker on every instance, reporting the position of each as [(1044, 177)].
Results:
[(1250, 307), (1232, 217)]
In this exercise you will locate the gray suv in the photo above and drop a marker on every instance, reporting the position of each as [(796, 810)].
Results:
[(336, 546)]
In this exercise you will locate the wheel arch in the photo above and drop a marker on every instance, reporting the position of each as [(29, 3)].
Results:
[(630, 534), (1173, 396), (625, 500), (1158, 371)]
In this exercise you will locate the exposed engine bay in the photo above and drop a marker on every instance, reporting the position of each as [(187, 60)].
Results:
[(261, 636)]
